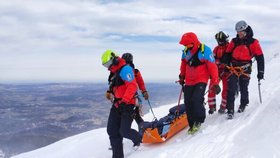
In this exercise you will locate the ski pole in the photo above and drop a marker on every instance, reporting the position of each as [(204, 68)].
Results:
[(151, 109), (259, 87), (178, 106), (180, 96)]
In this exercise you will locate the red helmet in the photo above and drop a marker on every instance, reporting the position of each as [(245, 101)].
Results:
[(189, 38)]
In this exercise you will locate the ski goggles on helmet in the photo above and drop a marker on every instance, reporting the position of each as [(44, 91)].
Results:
[(108, 64)]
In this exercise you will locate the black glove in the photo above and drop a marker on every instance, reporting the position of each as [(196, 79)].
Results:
[(216, 89), (181, 80), (260, 75)]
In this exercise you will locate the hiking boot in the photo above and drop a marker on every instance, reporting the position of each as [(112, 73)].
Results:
[(241, 108), (195, 128), (212, 110), (230, 114), (222, 110), (190, 131)]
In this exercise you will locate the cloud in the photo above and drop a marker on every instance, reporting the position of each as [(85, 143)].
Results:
[(88, 27)]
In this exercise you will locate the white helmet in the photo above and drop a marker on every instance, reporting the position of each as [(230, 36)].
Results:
[(241, 26)]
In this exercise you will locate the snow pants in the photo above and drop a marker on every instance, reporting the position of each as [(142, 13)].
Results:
[(138, 117), (119, 127), (193, 99), (233, 83)]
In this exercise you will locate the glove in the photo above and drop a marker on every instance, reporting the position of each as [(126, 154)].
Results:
[(260, 75), (145, 95), (181, 80), (216, 89), (108, 95)]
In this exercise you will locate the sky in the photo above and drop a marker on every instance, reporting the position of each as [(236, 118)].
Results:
[(63, 40), (253, 133)]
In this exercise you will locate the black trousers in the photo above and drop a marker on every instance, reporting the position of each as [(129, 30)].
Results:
[(138, 117), (119, 127), (193, 99), (233, 83)]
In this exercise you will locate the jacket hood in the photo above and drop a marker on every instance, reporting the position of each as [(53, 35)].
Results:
[(249, 32), (189, 38)]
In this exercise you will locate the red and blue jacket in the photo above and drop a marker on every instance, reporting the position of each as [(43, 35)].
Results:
[(201, 72)]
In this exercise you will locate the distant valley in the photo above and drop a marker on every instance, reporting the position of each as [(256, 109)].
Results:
[(35, 115)]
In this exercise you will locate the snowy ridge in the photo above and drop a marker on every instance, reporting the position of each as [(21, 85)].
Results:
[(254, 133)]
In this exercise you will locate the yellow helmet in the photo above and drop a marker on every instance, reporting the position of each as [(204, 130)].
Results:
[(108, 58)]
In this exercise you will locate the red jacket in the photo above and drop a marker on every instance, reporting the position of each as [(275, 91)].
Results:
[(200, 73), (204, 59), (241, 51), (140, 80), (125, 90), (219, 51), (244, 53)]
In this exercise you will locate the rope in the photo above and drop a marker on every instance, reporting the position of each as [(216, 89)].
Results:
[(152, 110), (238, 70)]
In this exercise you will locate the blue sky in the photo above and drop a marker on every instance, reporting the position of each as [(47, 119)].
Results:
[(62, 40)]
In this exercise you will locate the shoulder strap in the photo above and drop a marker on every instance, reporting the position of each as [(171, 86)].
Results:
[(186, 50), (202, 48)]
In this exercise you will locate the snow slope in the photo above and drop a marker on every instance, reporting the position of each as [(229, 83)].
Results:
[(254, 133)]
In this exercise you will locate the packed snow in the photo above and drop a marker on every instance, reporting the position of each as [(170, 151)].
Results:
[(254, 133)]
